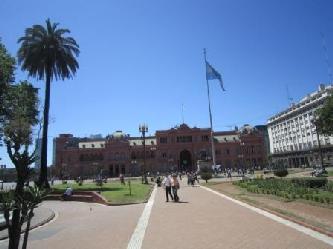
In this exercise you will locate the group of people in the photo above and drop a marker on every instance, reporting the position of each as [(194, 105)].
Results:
[(171, 185), (192, 177)]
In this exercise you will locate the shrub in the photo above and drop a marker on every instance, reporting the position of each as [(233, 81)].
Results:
[(206, 173), (316, 198), (99, 183), (281, 172), (310, 182), (206, 176), (329, 186)]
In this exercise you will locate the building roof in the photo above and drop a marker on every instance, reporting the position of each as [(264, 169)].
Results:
[(322, 93), (133, 141)]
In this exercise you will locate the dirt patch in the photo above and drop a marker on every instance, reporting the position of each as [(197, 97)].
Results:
[(317, 215)]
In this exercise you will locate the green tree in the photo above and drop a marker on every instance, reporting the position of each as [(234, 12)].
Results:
[(324, 121), (46, 53), (21, 114), (7, 67), (206, 173)]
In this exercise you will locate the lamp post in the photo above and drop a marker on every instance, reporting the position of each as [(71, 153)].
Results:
[(143, 128)]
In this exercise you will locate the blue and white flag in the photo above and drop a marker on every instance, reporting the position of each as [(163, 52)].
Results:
[(212, 74)]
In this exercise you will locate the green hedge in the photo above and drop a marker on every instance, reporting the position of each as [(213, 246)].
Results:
[(310, 182)]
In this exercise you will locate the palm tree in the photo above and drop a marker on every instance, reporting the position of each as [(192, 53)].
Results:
[(46, 53)]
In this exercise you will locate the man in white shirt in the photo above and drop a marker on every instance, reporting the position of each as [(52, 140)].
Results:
[(167, 185)]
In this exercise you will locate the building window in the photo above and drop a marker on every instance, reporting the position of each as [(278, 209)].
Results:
[(184, 139), (92, 146), (164, 155), (102, 145), (205, 138), (227, 151), (163, 140), (152, 142), (152, 154), (83, 146)]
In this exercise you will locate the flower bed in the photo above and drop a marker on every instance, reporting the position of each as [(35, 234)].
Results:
[(313, 189)]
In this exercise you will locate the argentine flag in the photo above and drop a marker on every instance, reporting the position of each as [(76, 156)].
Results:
[(212, 74)]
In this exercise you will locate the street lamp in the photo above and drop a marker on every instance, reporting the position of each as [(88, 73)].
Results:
[(143, 128)]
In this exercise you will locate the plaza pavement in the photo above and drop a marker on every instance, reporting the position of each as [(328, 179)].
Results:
[(201, 220), (205, 220), (81, 225)]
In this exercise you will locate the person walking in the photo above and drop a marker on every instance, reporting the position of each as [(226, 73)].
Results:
[(167, 185), (175, 186)]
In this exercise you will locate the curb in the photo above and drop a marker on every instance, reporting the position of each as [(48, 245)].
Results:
[(39, 224)]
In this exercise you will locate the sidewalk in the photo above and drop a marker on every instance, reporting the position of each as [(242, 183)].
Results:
[(42, 216), (205, 220)]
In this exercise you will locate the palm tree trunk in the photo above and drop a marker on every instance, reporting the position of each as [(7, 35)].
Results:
[(43, 166)]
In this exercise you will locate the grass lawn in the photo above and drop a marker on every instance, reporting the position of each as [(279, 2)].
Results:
[(114, 192)]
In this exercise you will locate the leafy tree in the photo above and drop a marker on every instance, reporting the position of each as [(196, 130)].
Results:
[(20, 116), (324, 121), (206, 174), (46, 53), (7, 67)]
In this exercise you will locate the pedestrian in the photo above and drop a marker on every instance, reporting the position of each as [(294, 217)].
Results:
[(167, 185), (193, 178), (68, 193), (122, 179), (189, 178), (196, 177), (175, 186)]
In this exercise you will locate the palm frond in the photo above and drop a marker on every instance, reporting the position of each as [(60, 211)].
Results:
[(46, 50)]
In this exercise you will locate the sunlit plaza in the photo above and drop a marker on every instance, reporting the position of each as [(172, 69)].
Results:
[(163, 124)]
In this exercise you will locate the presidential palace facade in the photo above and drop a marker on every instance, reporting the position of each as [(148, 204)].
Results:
[(179, 148)]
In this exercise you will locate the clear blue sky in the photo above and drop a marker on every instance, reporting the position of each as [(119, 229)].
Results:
[(141, 60)]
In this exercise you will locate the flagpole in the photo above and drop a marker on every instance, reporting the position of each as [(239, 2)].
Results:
[(210, 115)]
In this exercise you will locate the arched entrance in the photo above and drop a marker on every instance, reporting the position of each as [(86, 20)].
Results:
[(185, 161)]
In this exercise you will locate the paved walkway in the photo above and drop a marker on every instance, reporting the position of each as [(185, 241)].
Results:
[(42, 216), (205, 220), (201, 220), (85, 226)]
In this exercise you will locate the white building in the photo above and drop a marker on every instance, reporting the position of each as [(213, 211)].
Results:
[(292, 134)]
